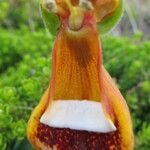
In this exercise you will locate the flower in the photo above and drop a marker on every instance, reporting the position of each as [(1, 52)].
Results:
[(82, 108)]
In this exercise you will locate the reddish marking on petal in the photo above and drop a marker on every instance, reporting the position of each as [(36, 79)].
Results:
[(67, 139)]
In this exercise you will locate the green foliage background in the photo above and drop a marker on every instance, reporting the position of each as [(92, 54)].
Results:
[(25, 67)]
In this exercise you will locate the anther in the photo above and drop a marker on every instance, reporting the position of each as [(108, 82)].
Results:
[(86, 4), (49, 5)]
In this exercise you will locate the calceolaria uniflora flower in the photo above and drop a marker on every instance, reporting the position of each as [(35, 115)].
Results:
[(82, 109)]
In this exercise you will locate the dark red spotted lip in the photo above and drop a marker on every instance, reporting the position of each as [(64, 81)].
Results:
[(67, 139)]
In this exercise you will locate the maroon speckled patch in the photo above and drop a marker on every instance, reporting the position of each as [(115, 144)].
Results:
[(67, 139)]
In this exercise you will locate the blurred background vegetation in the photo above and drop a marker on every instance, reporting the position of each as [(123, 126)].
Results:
[(25, 66)]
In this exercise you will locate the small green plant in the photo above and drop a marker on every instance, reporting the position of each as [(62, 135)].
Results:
[(14, 46)]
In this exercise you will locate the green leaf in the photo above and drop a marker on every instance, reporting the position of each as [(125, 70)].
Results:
[(2, 142), (51, 21), (109, 23), (22, 145)]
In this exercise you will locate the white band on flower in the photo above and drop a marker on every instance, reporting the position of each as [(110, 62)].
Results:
[(79, 115)]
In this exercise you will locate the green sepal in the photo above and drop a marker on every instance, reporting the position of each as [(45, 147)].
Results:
[(109, 22), (51, 21)]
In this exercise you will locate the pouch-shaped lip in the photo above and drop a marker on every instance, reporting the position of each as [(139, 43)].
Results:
[(77, 114)]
